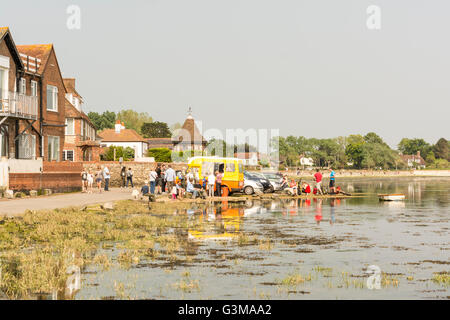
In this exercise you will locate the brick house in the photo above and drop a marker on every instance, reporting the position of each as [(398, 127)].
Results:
[(43, 78), (32, 116), (81, 143)]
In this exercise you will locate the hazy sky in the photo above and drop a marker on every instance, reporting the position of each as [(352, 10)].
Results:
[(309, 68)]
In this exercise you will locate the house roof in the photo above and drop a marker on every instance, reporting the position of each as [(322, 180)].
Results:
[(160, 143), (414, 158), (125, 135), (189, 133), (5, 34), (245, 155), (39, 51), (72, 112), (70, 87)]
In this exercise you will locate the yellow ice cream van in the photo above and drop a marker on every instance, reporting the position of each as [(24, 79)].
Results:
[(232, 169)]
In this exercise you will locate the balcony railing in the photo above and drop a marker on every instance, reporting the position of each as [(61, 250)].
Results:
[(19, 105)]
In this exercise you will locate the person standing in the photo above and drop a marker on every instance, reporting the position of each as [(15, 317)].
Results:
[(84, 176), (170, 177), (98, 179), (130, 177), (123, 176), (152, 177), (106, 176), (90, 181), (163, 179), (158, 179), (332, 181), (211, 183), (219, 177), (318, 180)]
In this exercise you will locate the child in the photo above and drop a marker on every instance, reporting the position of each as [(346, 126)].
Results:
[(90, 181), (174, 192)]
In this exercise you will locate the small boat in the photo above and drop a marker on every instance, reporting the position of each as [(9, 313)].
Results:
[(391, 197)]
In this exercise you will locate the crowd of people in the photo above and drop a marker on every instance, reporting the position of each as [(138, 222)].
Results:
[(302, 187), (165, 180)]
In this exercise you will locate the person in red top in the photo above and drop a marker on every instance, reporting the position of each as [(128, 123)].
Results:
[(306, 188), (318, 180)]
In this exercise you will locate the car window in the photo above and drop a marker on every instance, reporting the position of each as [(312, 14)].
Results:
[(230, 167)]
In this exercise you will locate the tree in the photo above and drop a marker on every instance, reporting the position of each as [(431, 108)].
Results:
[(120, 152), (106, 120), (354, 150), (441, 149), (372, 137), (412, 146), (160, 154), (134, 120), (156, 129)]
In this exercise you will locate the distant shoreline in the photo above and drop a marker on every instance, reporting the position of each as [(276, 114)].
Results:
[(374, 173)]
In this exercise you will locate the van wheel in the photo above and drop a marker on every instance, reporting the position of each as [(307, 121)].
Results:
[(249, 190)]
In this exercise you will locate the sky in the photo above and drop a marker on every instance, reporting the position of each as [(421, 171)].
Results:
[(308, 68)]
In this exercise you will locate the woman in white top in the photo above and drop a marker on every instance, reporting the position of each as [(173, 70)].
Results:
[(211, 183)]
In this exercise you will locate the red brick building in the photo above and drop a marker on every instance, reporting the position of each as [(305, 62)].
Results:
[(80, 142)]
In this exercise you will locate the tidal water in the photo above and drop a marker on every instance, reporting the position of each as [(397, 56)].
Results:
[(301, 249)]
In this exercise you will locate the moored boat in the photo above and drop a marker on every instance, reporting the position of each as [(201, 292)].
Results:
[(391, 197)]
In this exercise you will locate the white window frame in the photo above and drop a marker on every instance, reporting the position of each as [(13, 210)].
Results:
[(54, 93), (65, 152), (34, 88), (53, 141), (67, 127), (23, 86)]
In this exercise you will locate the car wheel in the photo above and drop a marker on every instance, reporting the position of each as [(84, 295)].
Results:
[(248, 190), (270, 190)]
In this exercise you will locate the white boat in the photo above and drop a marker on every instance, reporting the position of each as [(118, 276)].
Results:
[(391, 197)]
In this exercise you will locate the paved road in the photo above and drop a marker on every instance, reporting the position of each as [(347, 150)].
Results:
[(16, 207)]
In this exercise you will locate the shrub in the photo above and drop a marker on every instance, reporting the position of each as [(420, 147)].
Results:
[(160, 154)]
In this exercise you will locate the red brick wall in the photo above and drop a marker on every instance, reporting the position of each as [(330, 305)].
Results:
[(57, 182), (57, 176)]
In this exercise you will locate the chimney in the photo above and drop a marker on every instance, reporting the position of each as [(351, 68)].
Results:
[(118, 126), (418, 153)]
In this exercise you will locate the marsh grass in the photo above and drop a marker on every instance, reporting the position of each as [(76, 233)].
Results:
[(441, 278), (36, 249)]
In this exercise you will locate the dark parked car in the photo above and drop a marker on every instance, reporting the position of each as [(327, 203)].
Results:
[(259, 178)]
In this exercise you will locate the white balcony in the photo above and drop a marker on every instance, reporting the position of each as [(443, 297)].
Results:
[(14, 104)]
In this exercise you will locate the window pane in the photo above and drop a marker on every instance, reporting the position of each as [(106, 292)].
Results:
[(230, 167), (49, 98)]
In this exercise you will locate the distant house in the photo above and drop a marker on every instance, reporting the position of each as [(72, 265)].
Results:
[(122, 137), (160, 143), (80, 143), (248, 158), (306, 161), (189, 136), (414, 160)]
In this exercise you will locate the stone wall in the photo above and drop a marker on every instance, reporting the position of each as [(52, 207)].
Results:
[(140, 170)]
